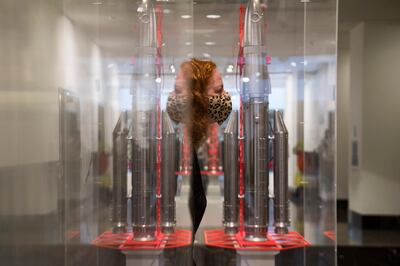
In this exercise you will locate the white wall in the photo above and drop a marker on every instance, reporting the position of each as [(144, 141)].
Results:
[(374, 186), (41, 51)]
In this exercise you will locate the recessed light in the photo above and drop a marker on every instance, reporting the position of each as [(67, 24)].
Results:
[(158, 80), (186, 16), (213, 16), (188, 43), (293, 64), (209, 43), (245, 79), (229, 70), (172, 67), (206, 55), (96, 3), (167, 11)]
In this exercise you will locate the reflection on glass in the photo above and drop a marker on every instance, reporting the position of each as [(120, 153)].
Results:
[(66, 180)]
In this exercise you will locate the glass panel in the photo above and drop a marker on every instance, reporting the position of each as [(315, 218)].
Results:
[(320, 131), (95, 168)]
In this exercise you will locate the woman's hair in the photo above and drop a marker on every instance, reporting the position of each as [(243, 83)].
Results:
[(198, 73)]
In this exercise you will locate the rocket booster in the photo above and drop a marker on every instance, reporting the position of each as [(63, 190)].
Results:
[(145, 95), (281, 201), (120, 168), (255, 90)]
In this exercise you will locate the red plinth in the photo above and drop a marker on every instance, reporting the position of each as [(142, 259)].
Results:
[(214, 173), (183, 172), (331, 235), (110, 240), (125, 241), (218, 238)]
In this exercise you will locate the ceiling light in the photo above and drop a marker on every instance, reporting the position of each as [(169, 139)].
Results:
[(209, 43), (213, 16), (206, 55), (229, 69), (158, 80), (188, 43), (189, 55), (172, 67), (186, 16), (110, 65), (226, 76), (245, 79), (167, 11), (293, 64), (96, 3)]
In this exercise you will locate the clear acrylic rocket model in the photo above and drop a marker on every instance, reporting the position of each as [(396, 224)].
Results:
[(248, 136), (251, 127), (153, 143)]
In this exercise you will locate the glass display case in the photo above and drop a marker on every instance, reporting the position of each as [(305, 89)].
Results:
[(94, 168)]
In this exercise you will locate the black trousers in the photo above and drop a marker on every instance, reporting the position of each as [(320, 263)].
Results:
[(197, 197)]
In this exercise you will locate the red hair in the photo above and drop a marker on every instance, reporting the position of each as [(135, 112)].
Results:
[(198, 73)]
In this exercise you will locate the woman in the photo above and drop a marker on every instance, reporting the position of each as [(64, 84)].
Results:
[(198, 100)]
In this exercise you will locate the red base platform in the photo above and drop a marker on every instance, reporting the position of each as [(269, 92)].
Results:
[(125, 241), (214, 173), (331, 235), (218, 238)]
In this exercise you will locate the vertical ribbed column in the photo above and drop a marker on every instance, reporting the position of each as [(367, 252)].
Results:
[(120, 170), (168, 176), (281, 201), (231, 175), (255, 169)]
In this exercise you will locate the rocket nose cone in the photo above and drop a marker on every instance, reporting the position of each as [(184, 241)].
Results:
[(254, 23), (147, 23), (279, 125)]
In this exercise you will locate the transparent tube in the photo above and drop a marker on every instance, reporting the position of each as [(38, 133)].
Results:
[(255, 116), (120, 171), (231, 175), (281, 200), (168, 176), (254, 91), (145, 96)]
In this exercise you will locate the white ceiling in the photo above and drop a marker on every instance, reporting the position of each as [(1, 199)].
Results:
[(113, 26)]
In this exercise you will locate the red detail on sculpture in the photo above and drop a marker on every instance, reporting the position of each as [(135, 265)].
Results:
[(218, 238), (125, 241), (331, 235)]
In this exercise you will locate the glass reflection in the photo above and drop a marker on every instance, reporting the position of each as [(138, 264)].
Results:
[(62, 95)]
